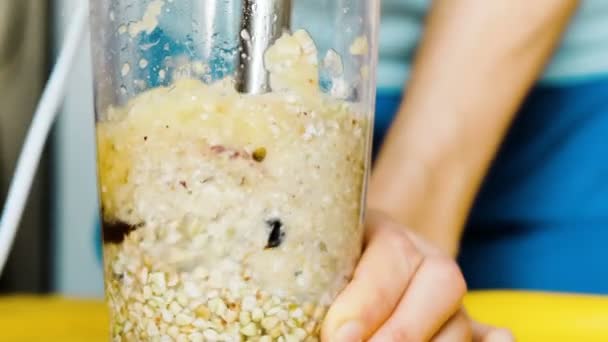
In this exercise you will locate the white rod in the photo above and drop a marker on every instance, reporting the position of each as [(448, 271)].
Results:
[(42, 121)]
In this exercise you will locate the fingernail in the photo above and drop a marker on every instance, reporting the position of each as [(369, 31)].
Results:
[(501, 335), (349, 332)]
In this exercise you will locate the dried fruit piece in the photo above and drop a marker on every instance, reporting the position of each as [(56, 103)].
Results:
[(115, 232), (259, 154), (277, 235)]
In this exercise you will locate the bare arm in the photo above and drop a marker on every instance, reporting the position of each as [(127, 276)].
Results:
[(477, 61)]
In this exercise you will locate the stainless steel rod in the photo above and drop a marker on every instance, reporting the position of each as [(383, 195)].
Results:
[(262, 23)]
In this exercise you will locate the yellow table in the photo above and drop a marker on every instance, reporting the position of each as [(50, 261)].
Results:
[(543, 316), (531, 316)]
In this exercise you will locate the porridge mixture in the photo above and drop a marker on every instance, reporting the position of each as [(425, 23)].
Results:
[(231, 217)]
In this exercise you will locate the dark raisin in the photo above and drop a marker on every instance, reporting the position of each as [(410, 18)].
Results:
[(259, 154), (115, 232), (183, 184), (277, 235), (145, 138)]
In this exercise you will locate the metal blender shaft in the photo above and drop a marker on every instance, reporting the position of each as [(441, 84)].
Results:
[(262, 23)]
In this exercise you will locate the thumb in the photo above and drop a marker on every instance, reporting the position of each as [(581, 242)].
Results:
[(380, 280)]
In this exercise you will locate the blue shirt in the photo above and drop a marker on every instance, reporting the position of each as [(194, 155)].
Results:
[(540, 220), (583, 50)]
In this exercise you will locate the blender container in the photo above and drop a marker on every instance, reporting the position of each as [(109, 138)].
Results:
[(233, 150)]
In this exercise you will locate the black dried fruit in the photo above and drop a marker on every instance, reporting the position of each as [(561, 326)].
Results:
[(116, 231), (259, 154), (277, 235)]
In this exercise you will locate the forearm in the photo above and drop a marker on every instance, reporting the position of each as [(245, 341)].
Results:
[(477, 61)]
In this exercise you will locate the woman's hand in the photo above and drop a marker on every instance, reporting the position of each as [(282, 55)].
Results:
[(403, 290)]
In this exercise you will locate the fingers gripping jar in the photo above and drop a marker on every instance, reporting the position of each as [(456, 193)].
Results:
[(232, 162)]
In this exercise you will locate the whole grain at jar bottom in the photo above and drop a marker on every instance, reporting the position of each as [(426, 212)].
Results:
[(231, 217), (163, 306)]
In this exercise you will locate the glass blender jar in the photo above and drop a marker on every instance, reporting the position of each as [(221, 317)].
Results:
[(233, 151)]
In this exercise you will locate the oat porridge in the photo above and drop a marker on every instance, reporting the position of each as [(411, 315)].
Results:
[(231, 217)]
